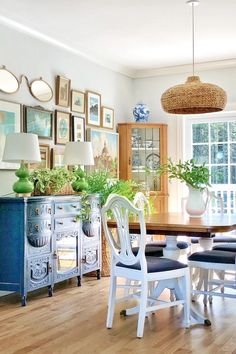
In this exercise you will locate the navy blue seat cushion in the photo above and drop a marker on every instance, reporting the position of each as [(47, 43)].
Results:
[(155, 264), (216, 239), (213, 256), (231, 247), (182, 245), (150, 251)]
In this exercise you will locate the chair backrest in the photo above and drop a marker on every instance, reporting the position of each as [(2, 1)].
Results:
[(119, 209), (141, 202)]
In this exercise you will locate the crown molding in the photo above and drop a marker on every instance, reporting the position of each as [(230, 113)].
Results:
[(36, 34), (186, 69)]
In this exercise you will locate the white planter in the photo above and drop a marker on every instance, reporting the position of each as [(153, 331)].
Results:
[(196, 203)]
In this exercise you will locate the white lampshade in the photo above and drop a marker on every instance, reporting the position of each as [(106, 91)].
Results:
[(78, 153), (21, 147)]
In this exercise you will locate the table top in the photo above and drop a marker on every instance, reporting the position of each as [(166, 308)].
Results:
[(181, 224)]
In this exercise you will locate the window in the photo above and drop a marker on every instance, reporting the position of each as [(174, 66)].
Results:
[(213, 141)]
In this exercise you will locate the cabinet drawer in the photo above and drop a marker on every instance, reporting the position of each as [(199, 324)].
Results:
[(39, 210), (67, 208), (66, 223), (38, 226)]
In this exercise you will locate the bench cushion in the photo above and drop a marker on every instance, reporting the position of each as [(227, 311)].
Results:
[(150, 251), (213, 256), (155, 264), (231, 247), (180, 244)]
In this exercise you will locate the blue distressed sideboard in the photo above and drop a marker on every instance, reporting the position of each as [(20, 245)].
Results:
[(42, 242)]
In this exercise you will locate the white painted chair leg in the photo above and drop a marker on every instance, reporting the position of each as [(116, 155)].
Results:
[(205, 285), (142, 308), (111, 301), (187, 292)]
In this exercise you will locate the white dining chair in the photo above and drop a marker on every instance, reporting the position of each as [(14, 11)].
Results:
[(127, 265)]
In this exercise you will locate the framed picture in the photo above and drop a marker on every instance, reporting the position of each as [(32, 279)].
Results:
[(45, 158), (77, 101), (93, 105), (10, 122), (78, 129), (57, 156), (107, 117), (62, 127), (62, 91), (38, 121), (105, 151)]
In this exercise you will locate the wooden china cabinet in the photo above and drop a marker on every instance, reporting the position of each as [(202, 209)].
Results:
[(142, 148)]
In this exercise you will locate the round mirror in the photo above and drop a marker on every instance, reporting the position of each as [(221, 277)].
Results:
[(41, 90), (8, 81)]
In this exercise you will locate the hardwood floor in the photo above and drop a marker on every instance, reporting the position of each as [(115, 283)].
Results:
[(73, 321)]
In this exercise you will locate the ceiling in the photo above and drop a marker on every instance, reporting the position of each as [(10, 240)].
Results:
[(129, 36)]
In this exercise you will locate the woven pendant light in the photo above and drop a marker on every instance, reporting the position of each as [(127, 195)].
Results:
[(193, 97)]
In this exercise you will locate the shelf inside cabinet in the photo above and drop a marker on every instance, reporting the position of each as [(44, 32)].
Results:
[(145, 149)]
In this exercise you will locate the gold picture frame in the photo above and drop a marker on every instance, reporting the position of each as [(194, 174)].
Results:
[(93, 108), (62, 91), (45, 158), (77, 102), (107, 118), (62, 127)]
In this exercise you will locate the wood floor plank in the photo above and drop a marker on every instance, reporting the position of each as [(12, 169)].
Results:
[(73, 322)]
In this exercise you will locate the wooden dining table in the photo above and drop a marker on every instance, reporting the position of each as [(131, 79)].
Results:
[(181, 224)]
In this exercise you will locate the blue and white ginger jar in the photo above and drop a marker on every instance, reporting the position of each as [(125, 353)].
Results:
[(141, 112)]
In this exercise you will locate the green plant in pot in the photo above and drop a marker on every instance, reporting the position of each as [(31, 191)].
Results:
[(100, 184), (48, 181), (196, 176)]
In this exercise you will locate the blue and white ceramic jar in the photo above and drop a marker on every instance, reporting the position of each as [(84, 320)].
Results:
[(141, 112)]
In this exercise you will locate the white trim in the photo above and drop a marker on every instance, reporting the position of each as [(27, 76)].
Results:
[(36, 34), (186, 69)]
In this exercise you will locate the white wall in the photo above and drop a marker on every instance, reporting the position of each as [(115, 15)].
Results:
[(149, 91), (23, 54)]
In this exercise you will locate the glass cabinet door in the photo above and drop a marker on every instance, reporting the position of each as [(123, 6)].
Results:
[(66, 250), (146, 157)]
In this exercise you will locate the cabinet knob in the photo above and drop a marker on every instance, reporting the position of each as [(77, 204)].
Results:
[(50, 268), (83, 260), (36, 227), (60, 222), (60, 207), (49, 210), (36, 211), (49, 226), (55, 255), (74, 206), (75, 220), (129, 161)]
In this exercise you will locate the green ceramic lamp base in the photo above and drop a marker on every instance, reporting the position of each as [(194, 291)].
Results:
[(23, 186)]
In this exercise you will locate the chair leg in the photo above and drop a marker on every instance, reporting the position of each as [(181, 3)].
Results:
[(187, 296), (111, 301), (205, 285), (142, 308)]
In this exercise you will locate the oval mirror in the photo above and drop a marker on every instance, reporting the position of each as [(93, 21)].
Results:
[(41, 90), (8, 81)]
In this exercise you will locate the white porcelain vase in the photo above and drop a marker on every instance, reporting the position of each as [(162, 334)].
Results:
[(196, 202)]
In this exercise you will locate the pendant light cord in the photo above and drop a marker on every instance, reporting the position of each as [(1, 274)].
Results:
[(193, 38)]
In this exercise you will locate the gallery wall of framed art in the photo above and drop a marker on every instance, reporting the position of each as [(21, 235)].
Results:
[(77, 110)]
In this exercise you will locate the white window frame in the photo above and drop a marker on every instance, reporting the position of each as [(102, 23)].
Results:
[(219, 189)]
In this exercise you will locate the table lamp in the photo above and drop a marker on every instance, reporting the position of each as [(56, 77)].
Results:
[(79, 153), (22, 147)]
